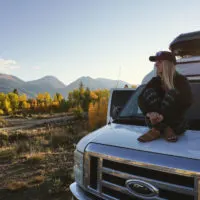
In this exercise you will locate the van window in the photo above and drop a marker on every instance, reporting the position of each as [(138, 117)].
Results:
[(132, 108), (193, 114), (119, 99)]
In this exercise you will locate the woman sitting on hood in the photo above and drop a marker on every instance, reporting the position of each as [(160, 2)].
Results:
[(165, 100)]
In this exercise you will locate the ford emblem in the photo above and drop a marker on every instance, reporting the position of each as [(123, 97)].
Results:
[(141, 189)]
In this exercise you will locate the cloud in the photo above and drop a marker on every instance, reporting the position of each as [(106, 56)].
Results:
[(36, 67), (6, 65)]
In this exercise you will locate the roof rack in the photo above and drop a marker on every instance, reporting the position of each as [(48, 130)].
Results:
[(186, 44)]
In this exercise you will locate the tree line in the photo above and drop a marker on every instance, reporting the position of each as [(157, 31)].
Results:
[(79, 100)]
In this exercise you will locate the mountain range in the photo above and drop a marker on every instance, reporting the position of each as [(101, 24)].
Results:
[(52, 85)]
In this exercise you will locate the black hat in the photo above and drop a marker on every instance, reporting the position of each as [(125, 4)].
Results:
[(163, 55)]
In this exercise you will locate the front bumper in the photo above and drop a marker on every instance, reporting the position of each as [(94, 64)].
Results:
[(79, 194)]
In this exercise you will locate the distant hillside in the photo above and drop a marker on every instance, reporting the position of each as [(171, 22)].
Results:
[(52, 85), (112, 83), (93, 84), (50, 80), (46, 84), (8, 83)]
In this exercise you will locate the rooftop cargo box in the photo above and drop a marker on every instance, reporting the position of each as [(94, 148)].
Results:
[(187, 44)]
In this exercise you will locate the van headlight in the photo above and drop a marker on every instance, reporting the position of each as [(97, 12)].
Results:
[(78, 167)]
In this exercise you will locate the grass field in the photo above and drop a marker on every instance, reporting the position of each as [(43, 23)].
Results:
[(37, 163)]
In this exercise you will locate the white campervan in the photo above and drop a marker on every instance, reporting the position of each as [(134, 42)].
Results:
[(111, 164)]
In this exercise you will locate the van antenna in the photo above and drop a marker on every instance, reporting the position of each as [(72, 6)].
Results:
[(118, 76)]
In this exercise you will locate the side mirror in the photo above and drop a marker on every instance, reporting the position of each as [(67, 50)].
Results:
[(115, 111)]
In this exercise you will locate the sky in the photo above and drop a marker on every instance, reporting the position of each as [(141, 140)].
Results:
[(98, 38)]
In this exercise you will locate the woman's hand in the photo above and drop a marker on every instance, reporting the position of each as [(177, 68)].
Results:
[(155, 117)]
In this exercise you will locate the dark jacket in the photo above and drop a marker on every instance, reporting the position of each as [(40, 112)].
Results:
[(181, 95)]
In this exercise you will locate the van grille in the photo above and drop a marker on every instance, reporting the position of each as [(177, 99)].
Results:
[(108, 176), (149, 173)]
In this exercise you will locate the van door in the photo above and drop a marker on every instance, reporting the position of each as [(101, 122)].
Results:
[(117, 100)]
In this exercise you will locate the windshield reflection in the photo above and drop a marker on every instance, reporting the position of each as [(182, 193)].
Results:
[(132, 109)]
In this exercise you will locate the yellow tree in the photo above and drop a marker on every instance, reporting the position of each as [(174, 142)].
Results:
[(2, 99), (93, 96), (22, 99), (47, 99), (55, 104), (7, 105), (57, 101), (25, 105), (33, 104), (58, 97), (14, 100), (40, 98), (76, 98), (97, 113), (40, 102), (134, 86)]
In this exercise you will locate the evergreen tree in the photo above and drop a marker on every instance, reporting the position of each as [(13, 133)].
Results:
[(16, 91), (86, 100)]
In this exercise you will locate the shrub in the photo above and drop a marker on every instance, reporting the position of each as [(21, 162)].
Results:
[(8, 154), (3, 138), (37, 179), (58, 138), (17, 185), (97, 114), (1, 112), (78, 112), (61, 179), (18, 135), (35, 158), (22, 147), (3, 122)]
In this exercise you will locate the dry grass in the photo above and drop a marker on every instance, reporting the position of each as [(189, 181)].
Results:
[(60, 179), (3, 122), (4, 135), (37, 179), (40, 156), (7, 153), (3, 138), (58, 138), (18, 135), (4, 148), (25, 134), (64, 138), (47, 116), (16, 185), (22, 147), (35, 158)]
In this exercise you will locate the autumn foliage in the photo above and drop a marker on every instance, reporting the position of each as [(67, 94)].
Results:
[(97, 113), (80, 101), (13, 102)]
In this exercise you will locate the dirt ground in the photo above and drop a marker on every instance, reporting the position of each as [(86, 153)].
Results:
[(37, 162)]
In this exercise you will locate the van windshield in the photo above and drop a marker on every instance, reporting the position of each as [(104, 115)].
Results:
[(132, 109)]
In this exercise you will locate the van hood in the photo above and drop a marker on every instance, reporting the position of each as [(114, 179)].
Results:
[(125, 136)]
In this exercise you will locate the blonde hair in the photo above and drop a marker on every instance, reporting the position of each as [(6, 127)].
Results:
[(168, 72)]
